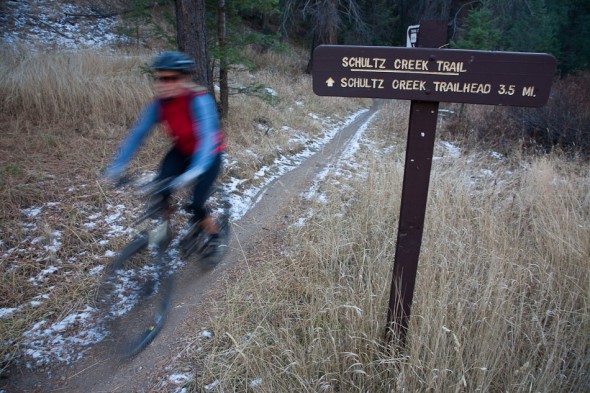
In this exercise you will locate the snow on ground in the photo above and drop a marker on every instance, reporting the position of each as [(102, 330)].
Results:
[(250, 197), (48, 23)]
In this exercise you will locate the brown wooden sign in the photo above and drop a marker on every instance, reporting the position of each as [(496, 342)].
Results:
[(438, 75), (426, 75)]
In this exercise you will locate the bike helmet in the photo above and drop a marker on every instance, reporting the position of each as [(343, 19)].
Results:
[(173, 61)]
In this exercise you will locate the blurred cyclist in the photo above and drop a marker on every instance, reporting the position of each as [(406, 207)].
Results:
[(189, 115)]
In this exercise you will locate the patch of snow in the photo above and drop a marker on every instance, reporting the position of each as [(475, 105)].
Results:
[(211, 386), (32, 212), (55, 243), (453, 150), (496, 155), (6, 312), (96, 270), (63, 340), (178, 379), (54, 24), (487, 172), (255, 383)]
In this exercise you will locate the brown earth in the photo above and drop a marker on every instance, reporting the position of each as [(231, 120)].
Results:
[(253, 235)]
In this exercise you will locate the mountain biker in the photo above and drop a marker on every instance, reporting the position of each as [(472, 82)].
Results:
[(189, 116)]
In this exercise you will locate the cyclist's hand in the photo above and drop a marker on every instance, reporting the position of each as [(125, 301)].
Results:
[(114, 174), (186, 179)]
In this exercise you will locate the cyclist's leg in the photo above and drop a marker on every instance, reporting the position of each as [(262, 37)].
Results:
[(173, 165), (201, 192)]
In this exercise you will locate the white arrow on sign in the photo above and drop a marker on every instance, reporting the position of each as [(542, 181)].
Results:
[(330, 82)]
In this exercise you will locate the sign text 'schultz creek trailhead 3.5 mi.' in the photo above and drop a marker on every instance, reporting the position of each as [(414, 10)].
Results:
[(427, 75), (422, 74)]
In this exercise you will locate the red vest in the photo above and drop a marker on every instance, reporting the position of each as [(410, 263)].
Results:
[(177, 115)]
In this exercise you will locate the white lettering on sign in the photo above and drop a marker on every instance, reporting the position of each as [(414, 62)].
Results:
[(408, 84), (450, 66), (458, 87), (403, 66), (528, 91), (410, 65), (362, 82), (363, 62), (420, 67), (506, 90)]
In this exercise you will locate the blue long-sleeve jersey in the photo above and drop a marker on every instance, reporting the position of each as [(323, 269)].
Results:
[(190, 120)]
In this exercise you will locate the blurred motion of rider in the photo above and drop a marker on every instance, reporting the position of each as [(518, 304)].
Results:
[(189, 116)]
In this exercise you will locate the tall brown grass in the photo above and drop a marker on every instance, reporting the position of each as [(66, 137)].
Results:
[(501, 302), (80, 90)]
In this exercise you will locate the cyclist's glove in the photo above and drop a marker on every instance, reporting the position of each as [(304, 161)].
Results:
[(114, 173), (188, 178)]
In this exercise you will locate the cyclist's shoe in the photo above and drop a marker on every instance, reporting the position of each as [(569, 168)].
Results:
[(211, 252), (209, 225), (194, 228), (211, 248)]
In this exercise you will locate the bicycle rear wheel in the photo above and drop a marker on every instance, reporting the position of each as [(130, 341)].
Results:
[(138, 291)]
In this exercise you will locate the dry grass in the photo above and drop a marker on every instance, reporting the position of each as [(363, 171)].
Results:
[(62, 113), (77, 90), (502, 296)]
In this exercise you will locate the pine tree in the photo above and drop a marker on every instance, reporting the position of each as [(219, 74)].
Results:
[(479, 31)]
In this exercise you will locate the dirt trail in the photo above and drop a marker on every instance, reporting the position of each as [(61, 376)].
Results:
[(97, 372)]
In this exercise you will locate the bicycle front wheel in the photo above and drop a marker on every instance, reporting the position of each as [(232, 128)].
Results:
[(139, 293)]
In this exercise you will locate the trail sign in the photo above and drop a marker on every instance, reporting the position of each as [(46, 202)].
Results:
[(427, 75), (439, 75)]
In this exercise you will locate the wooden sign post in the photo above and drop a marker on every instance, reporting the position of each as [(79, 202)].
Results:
[(427, 75)]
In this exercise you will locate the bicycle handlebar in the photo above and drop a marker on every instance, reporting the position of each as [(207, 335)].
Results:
[(170, 185), (152, 187)]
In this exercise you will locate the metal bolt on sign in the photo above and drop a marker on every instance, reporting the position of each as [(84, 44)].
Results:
[(426, 75)]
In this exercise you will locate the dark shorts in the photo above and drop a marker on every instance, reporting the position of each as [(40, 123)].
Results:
[(176, 163)]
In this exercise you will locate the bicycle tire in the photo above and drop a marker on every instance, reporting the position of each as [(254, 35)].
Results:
[(137, 275), (148, 319), (106, 295)]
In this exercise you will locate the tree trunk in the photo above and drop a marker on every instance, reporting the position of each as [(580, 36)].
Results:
[(191, 36), (327, 23), (223, 71)]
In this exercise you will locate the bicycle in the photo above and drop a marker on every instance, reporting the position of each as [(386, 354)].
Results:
[(141, 272)]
